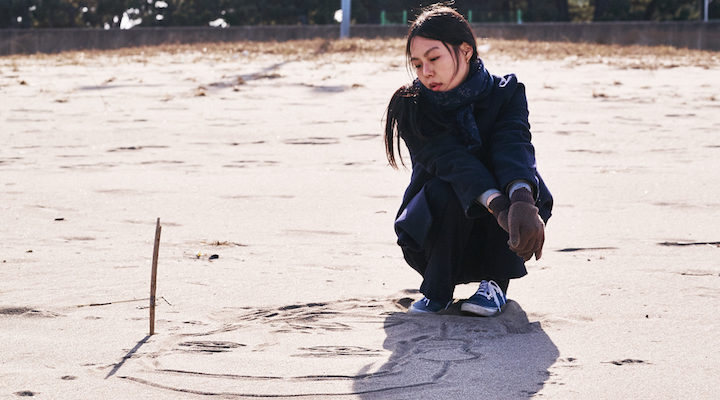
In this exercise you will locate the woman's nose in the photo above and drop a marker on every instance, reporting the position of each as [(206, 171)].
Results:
[(427, 71)]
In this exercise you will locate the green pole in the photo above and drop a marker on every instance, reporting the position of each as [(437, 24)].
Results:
[(519, 16), (404, 20), (383, 21), (470, 16)]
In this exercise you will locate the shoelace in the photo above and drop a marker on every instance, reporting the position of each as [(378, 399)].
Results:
[(491, 291)]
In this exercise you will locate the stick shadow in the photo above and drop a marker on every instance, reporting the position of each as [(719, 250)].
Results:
[(458, 357), (127, 356)]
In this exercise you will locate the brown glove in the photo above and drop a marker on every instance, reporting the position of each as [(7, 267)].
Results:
[(527, 230), (499, 207)]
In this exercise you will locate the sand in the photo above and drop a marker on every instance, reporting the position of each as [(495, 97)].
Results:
[(270, 156)]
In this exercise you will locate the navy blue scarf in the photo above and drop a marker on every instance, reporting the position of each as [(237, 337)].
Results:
[(459, 101)]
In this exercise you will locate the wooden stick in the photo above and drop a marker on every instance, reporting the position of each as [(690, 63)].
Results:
[(153, 276)]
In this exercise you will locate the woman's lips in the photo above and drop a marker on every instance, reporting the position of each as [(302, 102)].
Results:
[(435, 86)]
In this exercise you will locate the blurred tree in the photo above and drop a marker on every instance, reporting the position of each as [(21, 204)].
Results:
[(580, 10), (16, 13), (562, 7), (366, 11), (109, 13), (57, 14), (674, 10), (196, 12), (244, 13), (546, 10), (278, 12), (610, 10)]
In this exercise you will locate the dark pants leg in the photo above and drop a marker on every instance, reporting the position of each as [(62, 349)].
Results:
[(503, 283), (459, 249)]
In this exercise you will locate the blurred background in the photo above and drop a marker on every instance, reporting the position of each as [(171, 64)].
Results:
[(126, 14)]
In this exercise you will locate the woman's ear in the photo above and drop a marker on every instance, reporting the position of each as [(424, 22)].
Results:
[(466, 51)]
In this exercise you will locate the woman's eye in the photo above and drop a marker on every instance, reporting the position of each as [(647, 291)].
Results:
[(434, 58), (418, 66)]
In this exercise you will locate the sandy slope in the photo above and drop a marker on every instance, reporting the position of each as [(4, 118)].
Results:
[(273, 160)]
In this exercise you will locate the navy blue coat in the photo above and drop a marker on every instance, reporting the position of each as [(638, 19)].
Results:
[(505, 155)]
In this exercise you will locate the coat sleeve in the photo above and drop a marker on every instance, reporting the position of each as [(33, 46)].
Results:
[(447, 158), (512, 154)]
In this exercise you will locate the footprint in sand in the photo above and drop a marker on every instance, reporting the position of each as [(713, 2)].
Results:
[(14, 310), (252, 163), (26, 312), (682, 244), (364, 136), (136, 148), (246, 143), (574, 249), (313, 140), (627, 361), (315, 232), (209, 346)]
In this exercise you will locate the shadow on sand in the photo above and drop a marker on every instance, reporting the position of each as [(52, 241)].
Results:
[(458, 357)]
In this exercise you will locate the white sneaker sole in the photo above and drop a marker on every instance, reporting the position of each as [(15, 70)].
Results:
[(478, 310)]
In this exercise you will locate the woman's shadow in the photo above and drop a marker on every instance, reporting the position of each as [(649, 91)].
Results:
[(452, 356)]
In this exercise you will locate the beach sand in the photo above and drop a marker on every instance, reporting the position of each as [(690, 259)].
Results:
[(270, 156)]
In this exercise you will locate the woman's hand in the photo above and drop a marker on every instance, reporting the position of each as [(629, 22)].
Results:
[(499, 207), (527, 230)]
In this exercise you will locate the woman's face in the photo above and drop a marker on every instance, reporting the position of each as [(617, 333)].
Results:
[(436, 66)]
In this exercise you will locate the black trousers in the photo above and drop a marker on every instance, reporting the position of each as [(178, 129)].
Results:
[(459, 249)]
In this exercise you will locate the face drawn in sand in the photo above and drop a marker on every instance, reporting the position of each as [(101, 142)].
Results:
[(333, 349)]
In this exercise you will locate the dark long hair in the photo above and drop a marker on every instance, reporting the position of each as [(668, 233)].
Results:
[(403, 116)]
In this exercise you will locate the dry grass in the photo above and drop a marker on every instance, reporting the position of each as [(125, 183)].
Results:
[(644, 57)]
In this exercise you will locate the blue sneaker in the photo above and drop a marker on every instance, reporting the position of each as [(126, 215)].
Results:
[(426, 305), (487, 301)]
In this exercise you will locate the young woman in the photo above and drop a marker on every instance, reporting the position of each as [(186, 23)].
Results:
[(476, 208)]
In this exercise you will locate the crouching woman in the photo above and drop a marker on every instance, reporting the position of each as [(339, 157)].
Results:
[(476, 207)]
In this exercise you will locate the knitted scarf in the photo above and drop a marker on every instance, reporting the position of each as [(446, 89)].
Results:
[(459, 101)]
